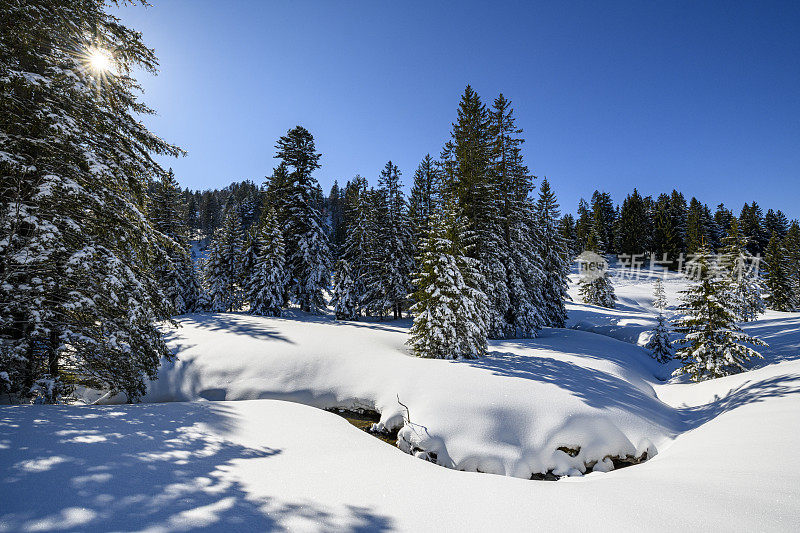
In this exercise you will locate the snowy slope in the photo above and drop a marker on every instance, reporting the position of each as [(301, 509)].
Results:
[(726, 447), (507, 413), (264, 464)]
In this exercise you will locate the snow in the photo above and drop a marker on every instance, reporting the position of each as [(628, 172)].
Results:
[(506, 413), (724, 449), (266, 464)]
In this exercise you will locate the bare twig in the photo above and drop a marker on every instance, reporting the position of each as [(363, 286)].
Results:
[(408, 413)]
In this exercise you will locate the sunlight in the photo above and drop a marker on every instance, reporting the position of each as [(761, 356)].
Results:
[(99, 60)]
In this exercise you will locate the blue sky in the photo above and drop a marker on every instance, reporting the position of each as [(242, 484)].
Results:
[(699, 96)]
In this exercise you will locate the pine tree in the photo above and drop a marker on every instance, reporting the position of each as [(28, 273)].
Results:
[(659, 296), (569, 233), (583, 225), (346, 298), (678, 221), (659, 345), (778, 283), (595, 285), (79, 303), (390, 258), (450, 309), (792, 245), (307, 249), (634, 225), (469, 179), (424, 200), (776, 222), (751, 224), (336, 210), (266, 284), (743, 287), (223, 274), (696, 231), (359, 243), (516, 283), (713, 345), (174, 269), (554, 258)]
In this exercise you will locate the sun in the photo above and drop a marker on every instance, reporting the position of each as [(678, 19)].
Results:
[(99, 60)]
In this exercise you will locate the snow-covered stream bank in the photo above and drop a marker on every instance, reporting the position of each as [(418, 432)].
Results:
[(226, 453)]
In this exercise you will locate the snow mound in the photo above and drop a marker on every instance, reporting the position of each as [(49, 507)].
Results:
[(507, 413)]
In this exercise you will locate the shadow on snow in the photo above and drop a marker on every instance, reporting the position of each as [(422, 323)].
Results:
[(134, 468)]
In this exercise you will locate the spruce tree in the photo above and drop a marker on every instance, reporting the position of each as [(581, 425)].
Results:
[(266, 284), (603, 221), (517, 296), (307, 250), (712, 345), (346, 300), (223, 276), (554, 258), (468, 177), (174, 269), (780, 297), (659, 296), (678, 221), (659, 344), (450, 309), (696, 230), (595, 285), (79, 302), (743, 287), (390, 254), (423, 201), (777, 223), (792, 246), (751, 224), (634, 225)]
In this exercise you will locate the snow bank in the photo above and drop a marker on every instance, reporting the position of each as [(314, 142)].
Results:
[(508, 413), (271, 465)]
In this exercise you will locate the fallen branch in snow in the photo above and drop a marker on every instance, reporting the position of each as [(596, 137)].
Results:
[(408, 413)]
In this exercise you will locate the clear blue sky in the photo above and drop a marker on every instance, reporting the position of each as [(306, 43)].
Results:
[(701, 96)]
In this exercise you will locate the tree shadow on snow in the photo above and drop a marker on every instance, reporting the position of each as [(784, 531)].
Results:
[(747, 393), (782, 335), (239, 324), (597, 389), (134, 468)]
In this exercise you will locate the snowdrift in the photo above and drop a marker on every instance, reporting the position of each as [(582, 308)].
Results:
[(508, 413), (268, 465)]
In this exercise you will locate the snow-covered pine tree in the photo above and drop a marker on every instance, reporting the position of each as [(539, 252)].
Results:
[(712, 345), (659, 296), (743, 285), (391, 255), (424, 200), (554, 257), (307, 251), (520, 253), (469, 178), (792, 245), (359, 242), (346, 300), (79, 303), (660, 345), (266, 285), (595, 285), (174, 271), (778, 284), (450, 309), (223, 275)]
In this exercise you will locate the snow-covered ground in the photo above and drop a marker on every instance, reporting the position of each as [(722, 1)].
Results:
[(724, 450)]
